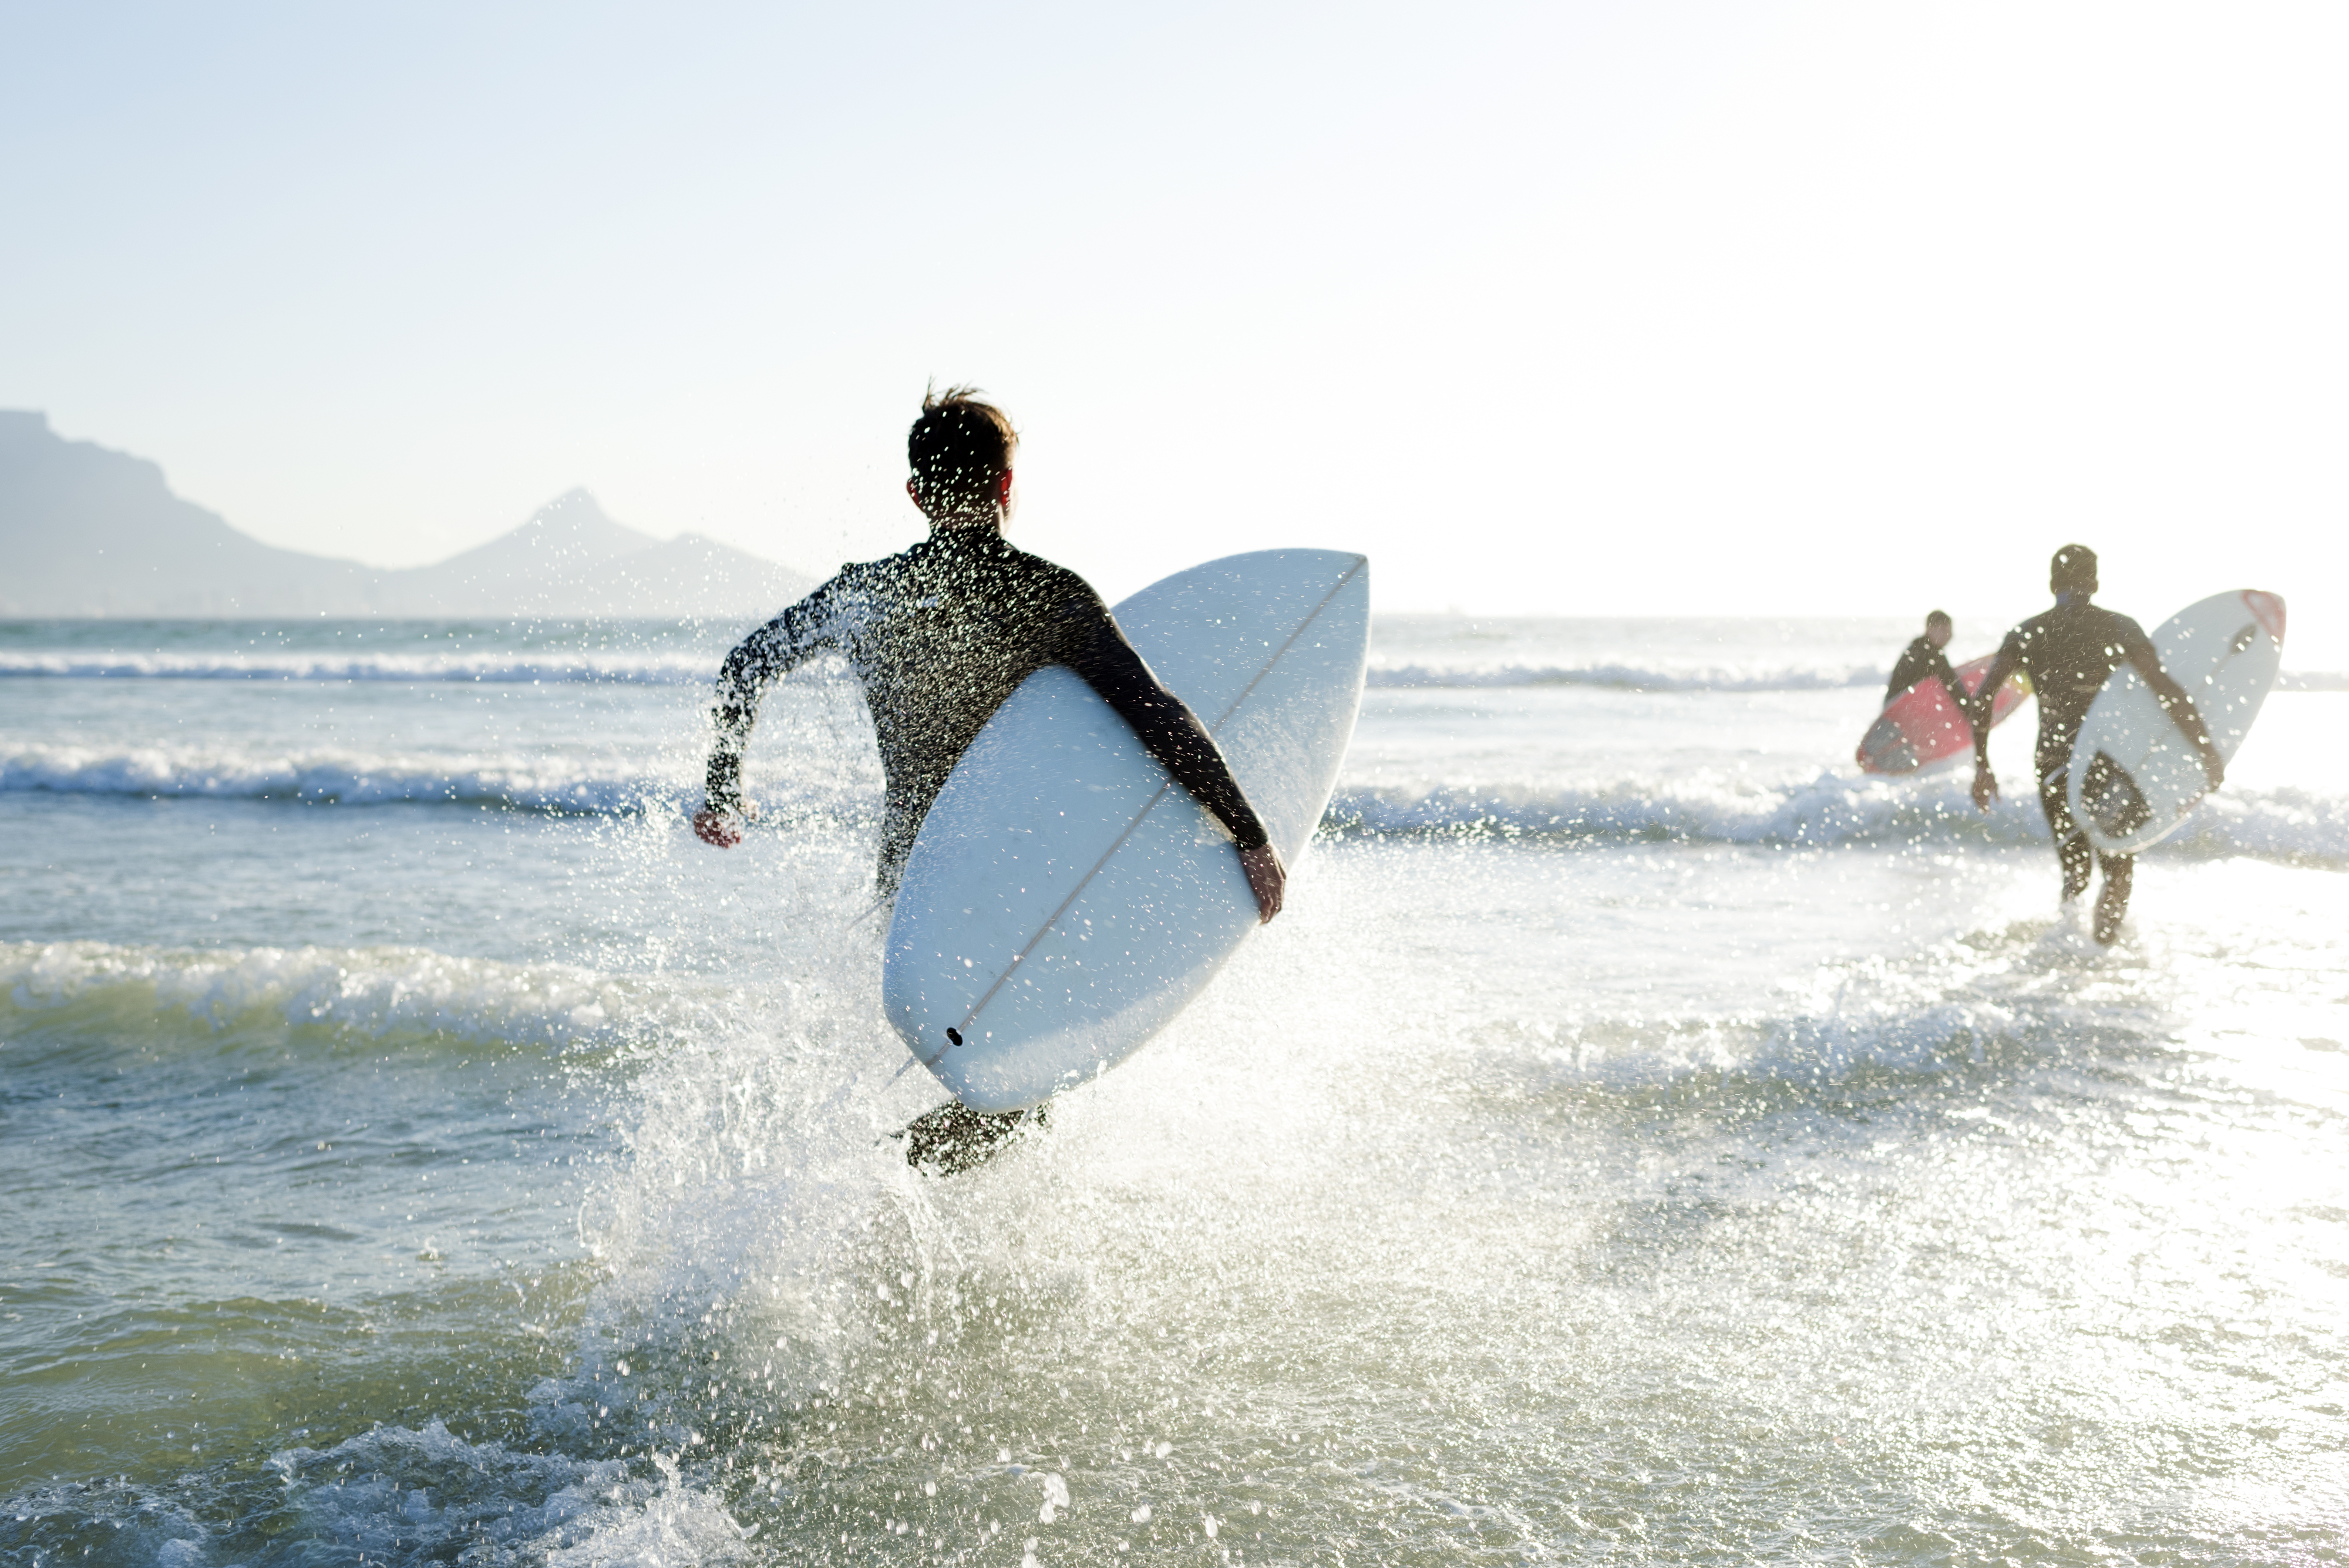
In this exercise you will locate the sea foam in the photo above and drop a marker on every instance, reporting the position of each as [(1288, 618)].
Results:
[(685, 667), (329, 776), (1627, 677), (421, 1494), (373, 991), (1701, 678), (1830, 810), (628, 667), (2291, 823)]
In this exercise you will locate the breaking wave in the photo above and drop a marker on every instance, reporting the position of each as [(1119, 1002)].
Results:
[(324, 777), (372, 991), (2288, 824), (1628, 677), (1638, 677), (2293, 825), (689, 667), (673, 666), (394, 1495), (684, 667)]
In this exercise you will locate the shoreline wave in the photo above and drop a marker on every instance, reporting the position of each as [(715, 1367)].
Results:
[(333, 779), (1622, 678), (680, 667), (1830, 812), (1827, 811), (1635, 678), (651, 668), (372, 991)]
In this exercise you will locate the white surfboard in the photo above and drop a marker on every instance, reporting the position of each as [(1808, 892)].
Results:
[(2135, 775), (1066, 899)]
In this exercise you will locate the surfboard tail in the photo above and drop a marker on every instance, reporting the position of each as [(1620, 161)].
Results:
[(1886, 750)]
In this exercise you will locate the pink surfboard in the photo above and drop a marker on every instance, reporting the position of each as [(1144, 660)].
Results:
[(1923, 724)]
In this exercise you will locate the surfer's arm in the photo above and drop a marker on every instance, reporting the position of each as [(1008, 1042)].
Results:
[(1952, 684), (1173, 734), (757, 662), (1170, 732), (1978, 708), (2177, 705)]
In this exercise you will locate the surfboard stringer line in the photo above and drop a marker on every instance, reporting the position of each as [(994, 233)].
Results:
[(1085, 881)]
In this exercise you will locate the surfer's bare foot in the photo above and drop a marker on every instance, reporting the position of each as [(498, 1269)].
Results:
[(722, 828), (1985, 788), (2110, 914), (954, 1138), (1267, 879), (2112, 899)]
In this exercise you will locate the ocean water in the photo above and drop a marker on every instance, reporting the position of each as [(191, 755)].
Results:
[(1642, 1140)]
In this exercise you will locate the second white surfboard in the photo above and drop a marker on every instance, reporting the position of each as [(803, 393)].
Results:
[(2134, 775)]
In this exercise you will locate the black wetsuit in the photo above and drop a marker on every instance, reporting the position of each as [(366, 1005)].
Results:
[(940, 635), (1918, 660), (2069, 653)]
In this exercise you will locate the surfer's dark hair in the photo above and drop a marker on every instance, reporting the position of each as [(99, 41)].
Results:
[(959, 449), (2073, 569), (1937, 617)]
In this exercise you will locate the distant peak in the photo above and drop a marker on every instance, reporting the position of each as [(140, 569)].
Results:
[(575, 507), (575, 518), (571, 528)]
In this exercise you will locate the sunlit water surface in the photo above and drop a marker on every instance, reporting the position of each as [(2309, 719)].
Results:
[(1641, 1141)]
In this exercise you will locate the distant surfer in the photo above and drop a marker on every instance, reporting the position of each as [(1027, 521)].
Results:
[(1923, 656), (938, 635), (2068, 652)]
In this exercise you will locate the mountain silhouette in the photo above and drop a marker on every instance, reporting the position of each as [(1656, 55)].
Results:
[(86, 531)]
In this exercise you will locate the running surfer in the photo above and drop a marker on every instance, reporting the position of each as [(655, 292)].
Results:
[(1923, 656), (2068, 652), (938, 635)]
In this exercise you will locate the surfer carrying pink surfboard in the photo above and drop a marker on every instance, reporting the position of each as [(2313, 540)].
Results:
[(1925, 718), (1923, 656), (2068, 652)]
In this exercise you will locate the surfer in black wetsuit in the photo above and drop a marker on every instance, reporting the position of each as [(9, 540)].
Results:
[(2068, 652), (1923, 656), (939, 635)]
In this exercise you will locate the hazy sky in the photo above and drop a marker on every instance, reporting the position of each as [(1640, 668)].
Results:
[(1581, 308)]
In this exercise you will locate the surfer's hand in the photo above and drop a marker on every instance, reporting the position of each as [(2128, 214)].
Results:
[(1267, 877), (1985, 786), (2215, 766), (721, 828)]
